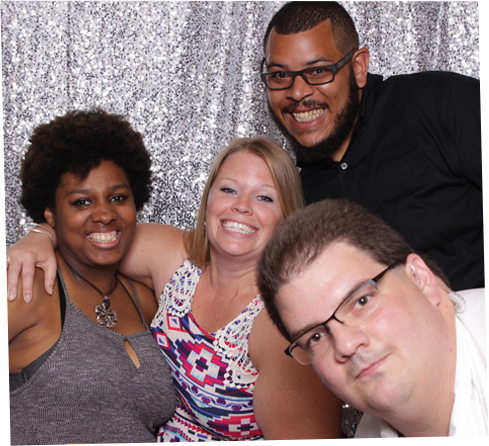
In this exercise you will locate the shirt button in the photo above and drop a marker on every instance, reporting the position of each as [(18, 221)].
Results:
[(344, 166)]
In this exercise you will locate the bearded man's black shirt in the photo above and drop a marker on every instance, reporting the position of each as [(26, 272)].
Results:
[(415, 161)]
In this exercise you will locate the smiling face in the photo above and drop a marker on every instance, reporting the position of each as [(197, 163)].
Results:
[(315, 114), (393, 363), (243, 207), (94, 218)]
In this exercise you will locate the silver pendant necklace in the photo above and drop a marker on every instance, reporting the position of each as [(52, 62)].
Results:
[(106, 316)]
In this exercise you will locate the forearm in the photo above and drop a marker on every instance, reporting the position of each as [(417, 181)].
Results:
[(155, 253)]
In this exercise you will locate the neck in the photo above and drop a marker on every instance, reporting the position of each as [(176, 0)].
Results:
[(230, 279), (436, 435), (101, 276)]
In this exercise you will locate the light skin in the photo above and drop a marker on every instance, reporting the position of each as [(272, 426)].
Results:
[(289, 400), (242, 212), (95, 220), (400, 364), (309, 112)]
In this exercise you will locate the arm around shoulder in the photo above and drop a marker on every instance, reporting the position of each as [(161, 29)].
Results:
[(290, 401), (156, 252)]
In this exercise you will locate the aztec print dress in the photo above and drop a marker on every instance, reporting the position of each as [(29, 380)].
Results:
[(212, 372)]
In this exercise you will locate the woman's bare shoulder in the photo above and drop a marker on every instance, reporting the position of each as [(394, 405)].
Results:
[(35, 326)]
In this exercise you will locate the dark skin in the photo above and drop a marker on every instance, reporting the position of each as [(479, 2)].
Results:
[(318, 105), (35, 327), (95, 218), (32, 328)]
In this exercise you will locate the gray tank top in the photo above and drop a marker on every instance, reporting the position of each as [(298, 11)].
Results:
[(88, 390)]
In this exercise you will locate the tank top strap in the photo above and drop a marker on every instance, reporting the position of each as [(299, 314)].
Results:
[(138, 306)]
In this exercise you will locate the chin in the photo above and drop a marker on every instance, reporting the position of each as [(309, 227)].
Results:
[(107, 260), (385, 400), (311, 142)]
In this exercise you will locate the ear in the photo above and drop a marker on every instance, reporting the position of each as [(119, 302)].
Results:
[(423, 277), (49, 216), (360, 63)]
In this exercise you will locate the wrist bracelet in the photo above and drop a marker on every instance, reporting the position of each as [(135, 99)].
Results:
[(40, 230)]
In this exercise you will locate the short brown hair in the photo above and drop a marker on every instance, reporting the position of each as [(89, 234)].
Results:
[(296, 17), (284, 174), (304, 236)]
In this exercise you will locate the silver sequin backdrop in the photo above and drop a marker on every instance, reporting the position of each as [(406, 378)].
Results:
[(185, 74)]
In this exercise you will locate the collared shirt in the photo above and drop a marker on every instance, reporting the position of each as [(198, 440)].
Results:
[(469, 412), (415, 160)]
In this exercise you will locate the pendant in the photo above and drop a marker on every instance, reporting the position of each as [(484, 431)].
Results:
[(106, 316)]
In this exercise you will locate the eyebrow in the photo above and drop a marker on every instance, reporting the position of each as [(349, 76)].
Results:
[(310, 63), (88, 191), (297, 334), (271, 186)]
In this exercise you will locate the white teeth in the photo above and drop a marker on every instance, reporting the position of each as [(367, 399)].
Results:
[(308, 116), (103, 237), (238, 227)]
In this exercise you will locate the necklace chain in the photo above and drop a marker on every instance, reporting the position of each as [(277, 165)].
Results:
[(106, 316)]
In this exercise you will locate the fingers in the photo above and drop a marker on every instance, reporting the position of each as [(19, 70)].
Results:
[(28, 271), (31, 251), (3, 265), (50, 269), (13, 273)]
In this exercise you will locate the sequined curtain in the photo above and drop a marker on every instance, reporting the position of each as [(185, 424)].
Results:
[(185, 74)]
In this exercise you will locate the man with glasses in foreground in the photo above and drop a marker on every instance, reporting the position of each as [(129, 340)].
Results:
[(378, 322), (407, 147)]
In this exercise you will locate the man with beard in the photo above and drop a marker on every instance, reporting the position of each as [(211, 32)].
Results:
[(408, 147)]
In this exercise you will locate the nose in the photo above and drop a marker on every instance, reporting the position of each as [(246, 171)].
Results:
[(300, 89), (103, 213), (346, 340), (242, 204)]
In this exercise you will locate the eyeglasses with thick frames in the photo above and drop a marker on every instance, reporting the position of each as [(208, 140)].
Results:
[(353, 311), (282, 80)]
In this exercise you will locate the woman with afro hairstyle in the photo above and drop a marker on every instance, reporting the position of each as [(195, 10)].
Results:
[(84, 366)]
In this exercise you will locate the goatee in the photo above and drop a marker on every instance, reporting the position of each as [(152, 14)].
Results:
[(345, 121)]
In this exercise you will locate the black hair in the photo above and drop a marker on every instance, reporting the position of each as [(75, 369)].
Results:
[(76, 143), (296, 17)]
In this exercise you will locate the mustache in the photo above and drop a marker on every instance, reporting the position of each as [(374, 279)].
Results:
[(307, 103)]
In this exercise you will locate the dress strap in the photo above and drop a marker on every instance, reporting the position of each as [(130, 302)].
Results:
[(138, 306)]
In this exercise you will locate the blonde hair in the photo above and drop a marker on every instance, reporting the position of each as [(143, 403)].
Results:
[(284, 174)]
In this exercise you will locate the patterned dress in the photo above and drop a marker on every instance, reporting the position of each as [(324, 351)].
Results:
[(212, 372)]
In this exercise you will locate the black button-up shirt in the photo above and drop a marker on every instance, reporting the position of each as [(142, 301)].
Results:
[(415, 160)]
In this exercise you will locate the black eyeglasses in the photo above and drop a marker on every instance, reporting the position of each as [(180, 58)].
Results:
[(355, 309), (281, 80)]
